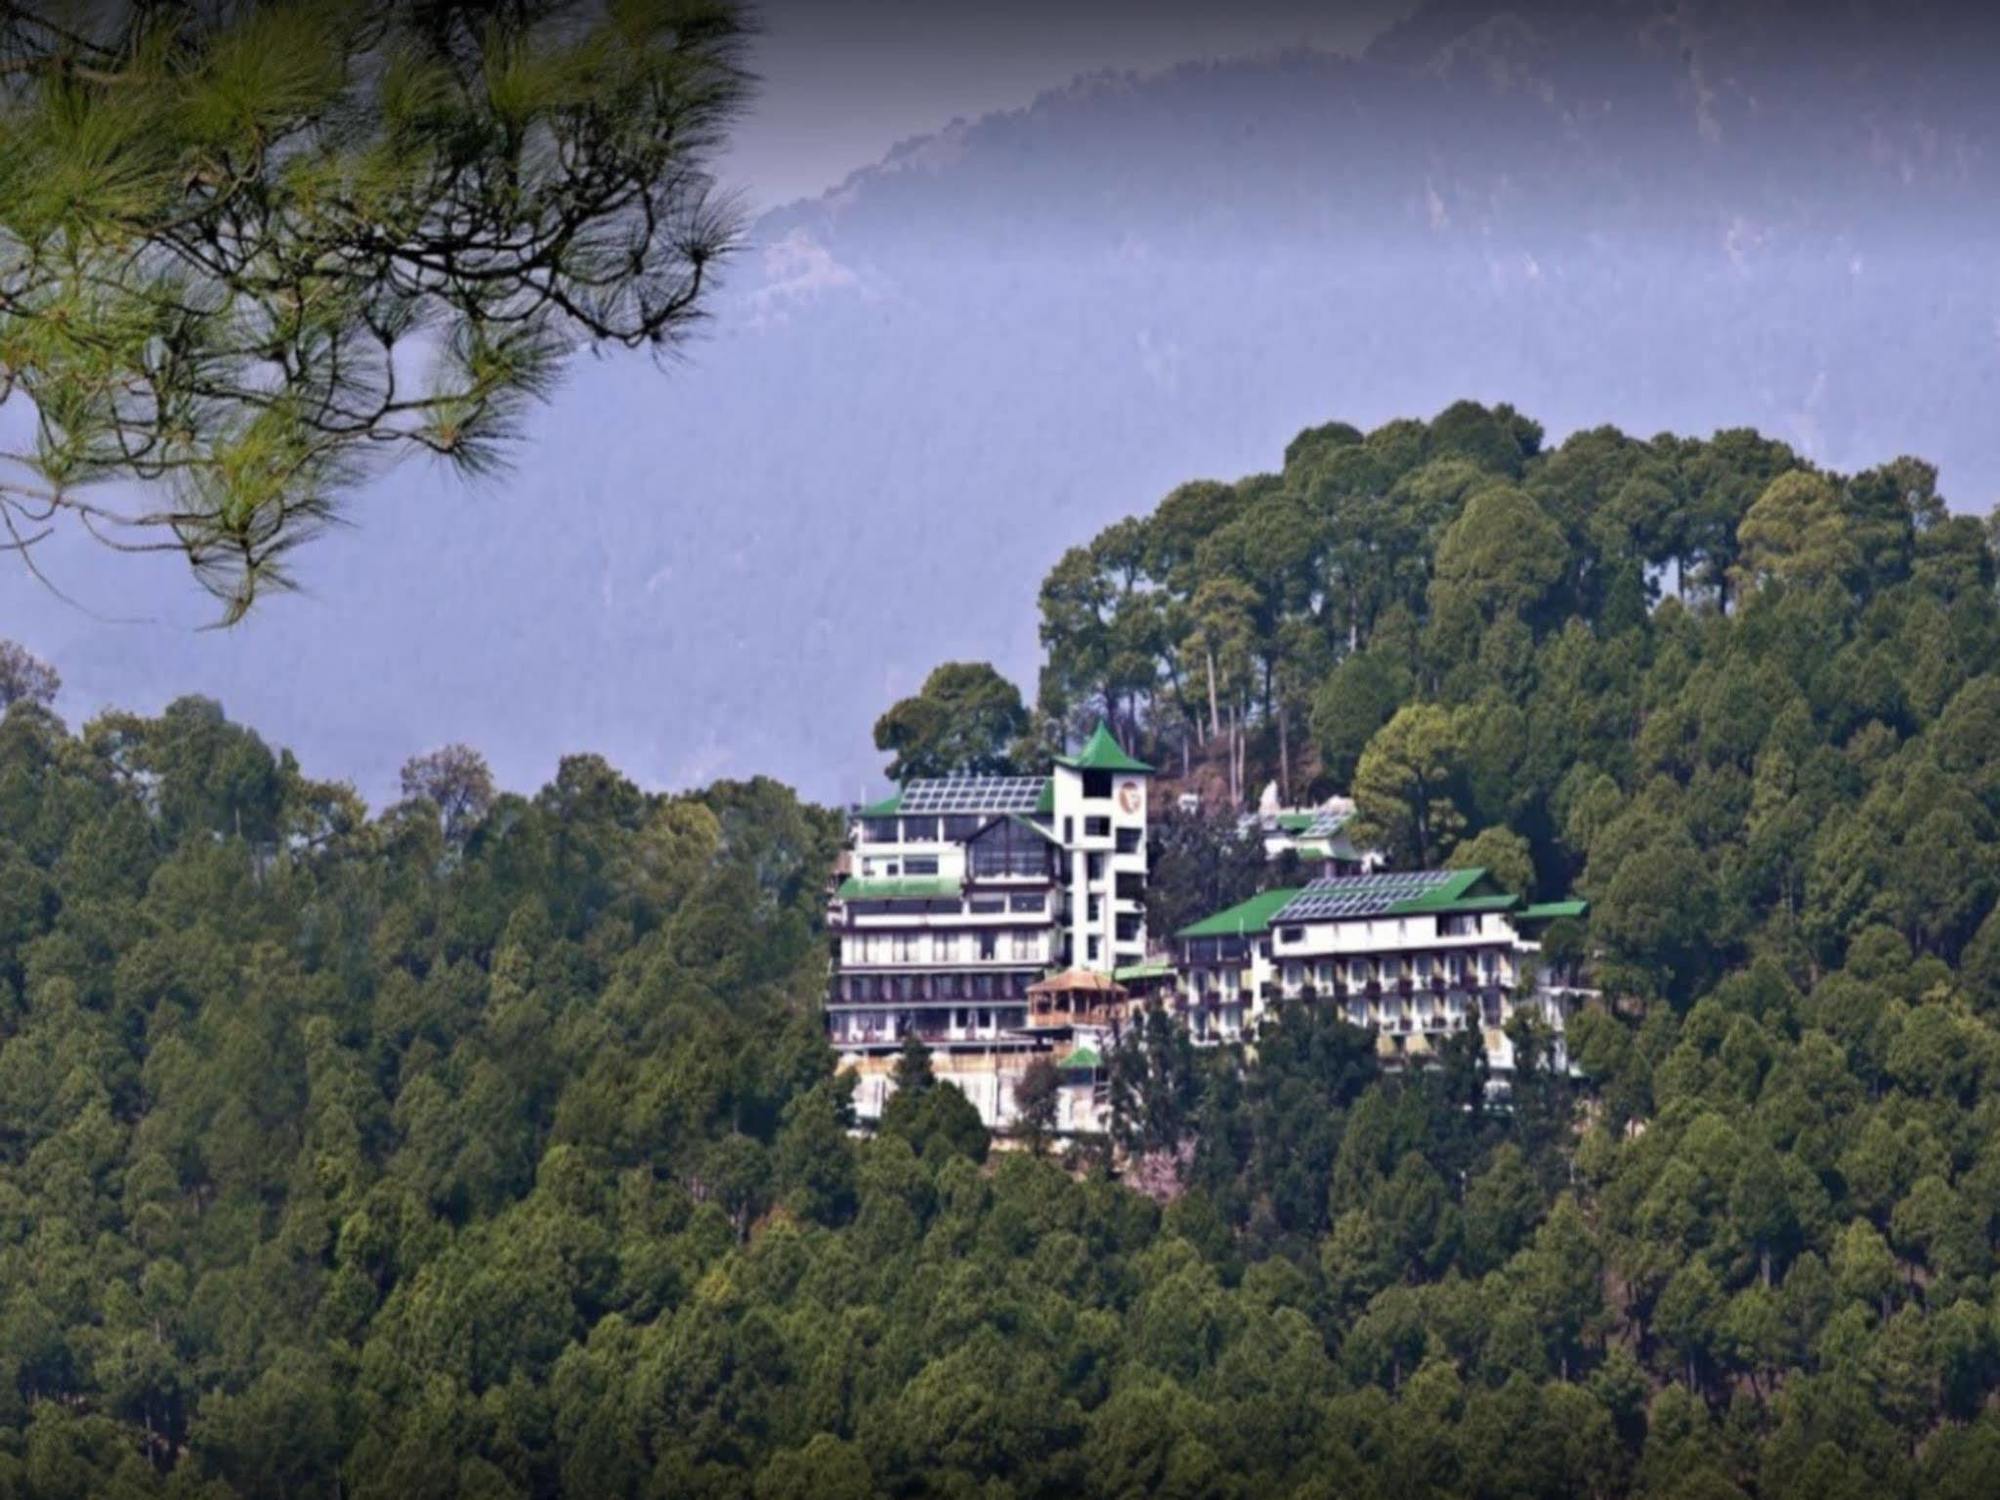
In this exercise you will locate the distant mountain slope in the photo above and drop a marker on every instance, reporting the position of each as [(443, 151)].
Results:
[(928, 383)]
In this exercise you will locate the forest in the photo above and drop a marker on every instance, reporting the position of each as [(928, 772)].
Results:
[(488, 1144)]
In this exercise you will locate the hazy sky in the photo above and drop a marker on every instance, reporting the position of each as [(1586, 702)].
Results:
[(843, 80), (732, 564)]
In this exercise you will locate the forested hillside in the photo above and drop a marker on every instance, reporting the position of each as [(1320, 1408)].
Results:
[(489, 1146)]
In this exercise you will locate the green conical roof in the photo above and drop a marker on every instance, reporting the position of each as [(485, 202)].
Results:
[(1103, 753)]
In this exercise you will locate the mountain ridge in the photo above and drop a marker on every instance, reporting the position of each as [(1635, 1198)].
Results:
[(920, 388)]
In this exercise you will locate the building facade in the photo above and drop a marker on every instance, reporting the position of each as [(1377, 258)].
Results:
[(1411, 955), (960, 893)]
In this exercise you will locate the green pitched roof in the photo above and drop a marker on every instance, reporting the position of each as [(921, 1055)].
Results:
[(1142, 971), (1395, 893), (1082, 1057), (887, 807), (1297, 822), (853, 889), (1448, 894), (1243, 918), (1549, 911), (1102, 753)]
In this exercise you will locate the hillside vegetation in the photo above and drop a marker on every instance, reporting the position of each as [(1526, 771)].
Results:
[(495, 1151)]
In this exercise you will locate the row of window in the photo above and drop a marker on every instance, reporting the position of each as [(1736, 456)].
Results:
[(1025, 903), (1455, 967), (1459, 925), (1129, 838), (923, 830), (1027, 946), (883, 1026), (1483, 968), (855, 989)]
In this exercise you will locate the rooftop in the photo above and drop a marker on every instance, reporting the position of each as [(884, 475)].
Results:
[(1395, 893), (1244, 918), (975, 795), (1549, 911), (1103, 753)]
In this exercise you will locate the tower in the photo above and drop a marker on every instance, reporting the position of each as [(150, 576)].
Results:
[(1100, 797)]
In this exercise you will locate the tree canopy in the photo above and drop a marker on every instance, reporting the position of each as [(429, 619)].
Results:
[(359, 1154), (249, 253), (967, 718)]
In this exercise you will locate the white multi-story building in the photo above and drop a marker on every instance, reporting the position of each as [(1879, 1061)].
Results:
[(1412, 955), (963, 891)]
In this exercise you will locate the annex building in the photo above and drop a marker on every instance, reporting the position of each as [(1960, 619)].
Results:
[(1411, 955)]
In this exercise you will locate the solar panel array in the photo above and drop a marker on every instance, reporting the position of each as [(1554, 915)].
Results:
[(1326, 825), (1340, 896), (974, 794)]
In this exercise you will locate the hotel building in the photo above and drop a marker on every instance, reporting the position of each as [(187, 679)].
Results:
[(960, 893)]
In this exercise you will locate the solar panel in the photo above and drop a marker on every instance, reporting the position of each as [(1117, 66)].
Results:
[(1326, 825), (974, 794), (1339, 896)]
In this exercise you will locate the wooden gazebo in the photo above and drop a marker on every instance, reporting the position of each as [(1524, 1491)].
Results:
[(1077, 997)]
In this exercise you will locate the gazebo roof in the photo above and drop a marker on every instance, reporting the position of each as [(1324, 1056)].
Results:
[(1078, 982)]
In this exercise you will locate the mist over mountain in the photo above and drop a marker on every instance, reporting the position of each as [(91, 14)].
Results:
[(925, 385)]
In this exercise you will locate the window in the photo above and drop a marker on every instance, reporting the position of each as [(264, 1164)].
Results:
[(989, 945), (958, 828), (1097, 828), (1007, 848), (1094, 867), (986, 906), (1093, 907), (1069, 830), (878, 830), (1128, 840), (1097, 784), (1033, 902), (1131, 886), (1291, 934), (1128, 929), (1091, 948), (920, 864)]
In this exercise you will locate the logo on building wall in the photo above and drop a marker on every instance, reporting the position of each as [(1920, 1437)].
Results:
[(1128, 796)]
